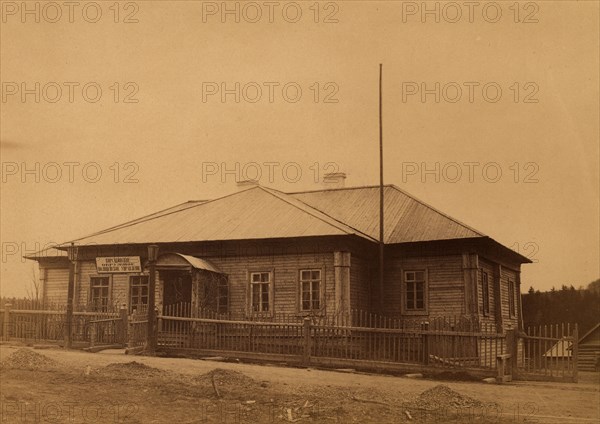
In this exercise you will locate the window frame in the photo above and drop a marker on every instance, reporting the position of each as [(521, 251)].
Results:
[(131, 285), (270, 292), (91, 303), (485, 293), (321, 299), (425, 282)]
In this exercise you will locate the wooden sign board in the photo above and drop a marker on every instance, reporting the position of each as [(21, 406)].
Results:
[(116, 264)]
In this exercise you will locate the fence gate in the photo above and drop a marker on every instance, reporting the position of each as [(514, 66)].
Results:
[(548, 352), (137, 329), (107, 331)]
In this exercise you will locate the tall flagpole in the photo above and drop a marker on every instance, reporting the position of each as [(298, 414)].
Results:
[(381, 227)]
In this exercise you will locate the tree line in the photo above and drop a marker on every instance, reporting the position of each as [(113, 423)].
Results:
[(565, 305)]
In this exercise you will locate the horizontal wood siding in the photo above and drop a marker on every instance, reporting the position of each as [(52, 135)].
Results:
[(120, 289), (57, 280), (285, 279), (82, 284), (360, 284), (446, 290), (286, 269), (56, 283), (588, 357), (119, 284)]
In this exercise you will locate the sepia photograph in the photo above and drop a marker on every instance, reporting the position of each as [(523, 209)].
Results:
[(352, 211)]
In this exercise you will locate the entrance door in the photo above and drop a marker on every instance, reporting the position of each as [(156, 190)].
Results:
[(177, 293)]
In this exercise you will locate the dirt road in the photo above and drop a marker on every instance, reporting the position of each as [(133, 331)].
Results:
[(108, 387)]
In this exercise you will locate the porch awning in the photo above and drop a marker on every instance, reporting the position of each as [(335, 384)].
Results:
[(179, 261)]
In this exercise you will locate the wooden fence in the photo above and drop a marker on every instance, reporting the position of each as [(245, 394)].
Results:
[(543, 352), (49, 325), (392, 342), (354, 317), (137, 330), (549, 352), (109, 330)]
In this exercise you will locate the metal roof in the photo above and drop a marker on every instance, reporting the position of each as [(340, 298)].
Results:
[(176, 208), (50, 253), (594, 328), (263, 213), (406, 219), (178, 260), (256, 213)]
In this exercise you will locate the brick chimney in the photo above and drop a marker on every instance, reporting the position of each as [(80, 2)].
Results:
[(334, 180)]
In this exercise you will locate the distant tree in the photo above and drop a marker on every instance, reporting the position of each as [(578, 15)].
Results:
[(594, 286), (567, 305), (35, 286)]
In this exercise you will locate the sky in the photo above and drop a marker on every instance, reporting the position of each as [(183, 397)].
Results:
[(490, 114)]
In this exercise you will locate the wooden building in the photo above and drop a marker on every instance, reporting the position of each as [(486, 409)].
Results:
[(589, 350), (261, 252), (559, 355)]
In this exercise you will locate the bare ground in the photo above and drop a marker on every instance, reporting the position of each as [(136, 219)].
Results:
[(56, 386)]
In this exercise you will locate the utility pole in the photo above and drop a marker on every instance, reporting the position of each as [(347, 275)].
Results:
[(381, 206), (72, 254), (151, 314)]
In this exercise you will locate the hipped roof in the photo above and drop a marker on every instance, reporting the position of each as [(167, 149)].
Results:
[(264, 213)]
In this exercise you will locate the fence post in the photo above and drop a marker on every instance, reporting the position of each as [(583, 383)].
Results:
[(575, 353), (520, 353), (124, 323), (130, 341), (512, 350), (6, 323), (425, 336), (93, 329), (307, 341), (159, 327), (72, 252)]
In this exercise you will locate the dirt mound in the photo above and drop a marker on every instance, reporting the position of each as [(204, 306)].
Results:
[(442, 396), (228, 377), (27, 359), (227, 382), (131, 369)]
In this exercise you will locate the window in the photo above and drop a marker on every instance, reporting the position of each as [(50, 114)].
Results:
[(310, 289), (485, 293), (138, 293), (511, 298), (260, 291), (223, 296), (99, 293), (414, 283)]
